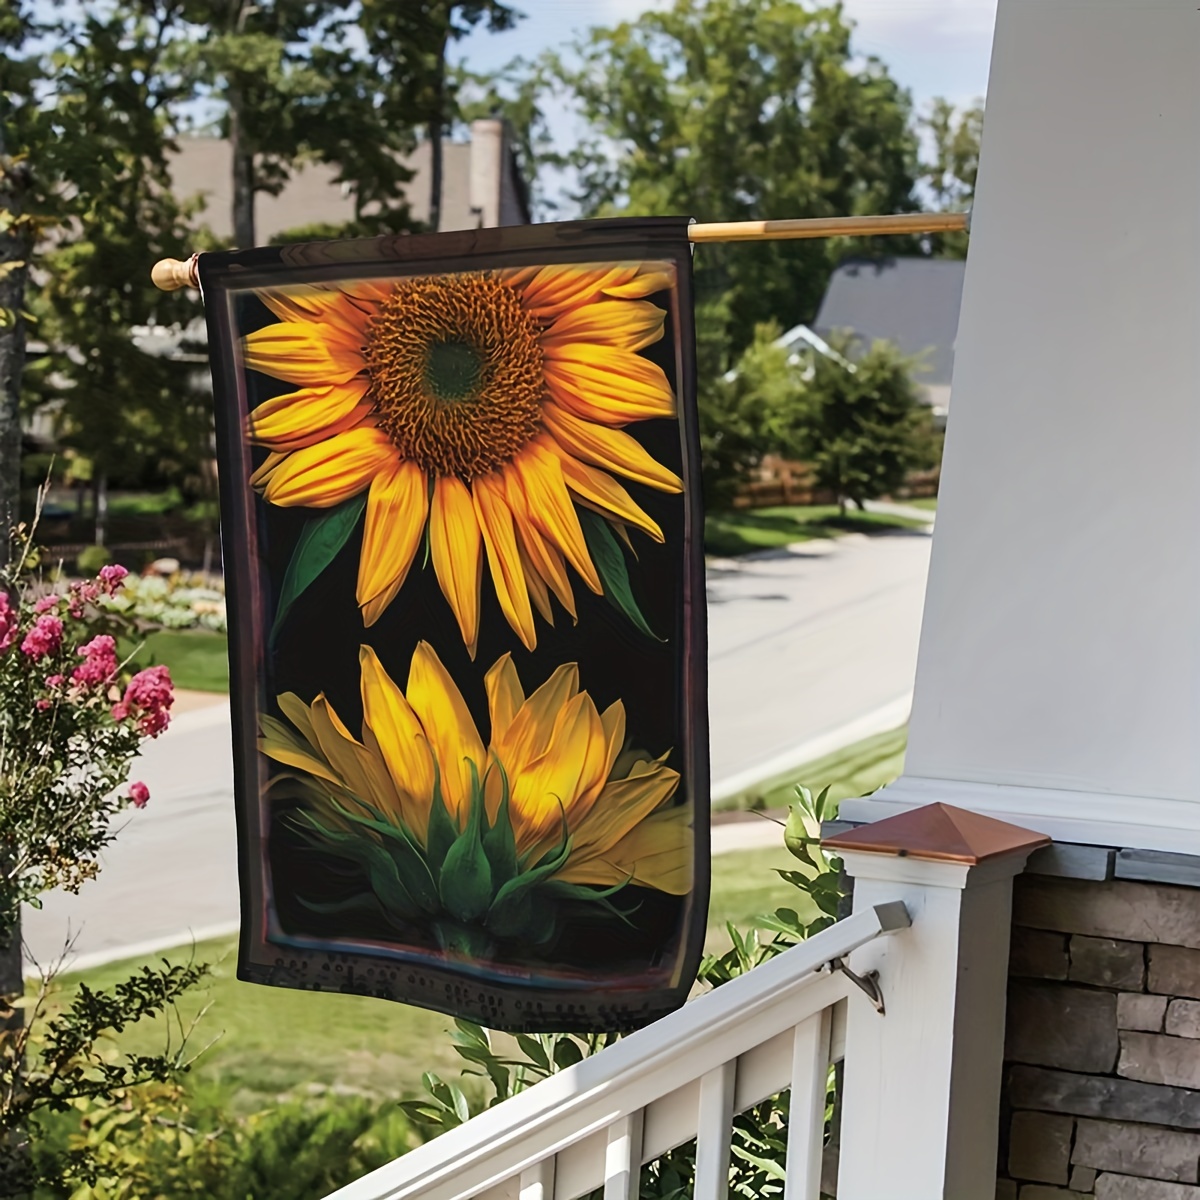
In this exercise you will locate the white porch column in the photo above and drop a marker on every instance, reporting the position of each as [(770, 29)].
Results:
[(920, 1106), (1058, 682)]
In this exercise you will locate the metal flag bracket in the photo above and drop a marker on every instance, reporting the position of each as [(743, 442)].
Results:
[(868, 984)]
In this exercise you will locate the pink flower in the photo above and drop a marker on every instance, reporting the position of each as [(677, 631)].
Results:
[(149, 696), (42, 705), (46, 603), (100, 661), (8, 622), (139, 793), (55, 681), (111, 578), (44, 638)]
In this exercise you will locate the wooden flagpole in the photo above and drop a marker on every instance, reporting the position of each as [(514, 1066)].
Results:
[(169, 274)]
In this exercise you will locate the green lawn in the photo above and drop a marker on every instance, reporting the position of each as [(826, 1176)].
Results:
[(272, 1041), (199, 660), (854, 771), (929, 502), (741, 531)]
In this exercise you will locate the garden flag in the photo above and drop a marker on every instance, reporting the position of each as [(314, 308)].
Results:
[(462, 535)]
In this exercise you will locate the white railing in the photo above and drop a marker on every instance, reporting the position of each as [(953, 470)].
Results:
[(595, 1124)]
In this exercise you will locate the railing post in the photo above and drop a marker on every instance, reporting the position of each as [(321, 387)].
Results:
[(920, 1105)]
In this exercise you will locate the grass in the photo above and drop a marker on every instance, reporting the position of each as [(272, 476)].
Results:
[(273, 1041), (741, 531), (929, 502), (199, 660), (855, 770)]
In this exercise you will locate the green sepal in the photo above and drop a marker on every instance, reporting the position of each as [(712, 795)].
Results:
[(512, 912), (499, 844), (319, 544), (609, 560), (442, 832), (465, 882), (368, 854), (407, 854)]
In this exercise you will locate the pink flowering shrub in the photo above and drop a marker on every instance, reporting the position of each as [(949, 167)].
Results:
[(72, 717)]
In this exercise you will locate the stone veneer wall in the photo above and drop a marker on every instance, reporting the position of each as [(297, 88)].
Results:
[(1102, 1078)]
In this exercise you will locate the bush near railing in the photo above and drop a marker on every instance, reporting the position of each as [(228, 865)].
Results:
[(506, 1066)]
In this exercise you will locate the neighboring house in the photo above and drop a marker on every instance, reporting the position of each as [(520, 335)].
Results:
[(911, 302), (481, 186)]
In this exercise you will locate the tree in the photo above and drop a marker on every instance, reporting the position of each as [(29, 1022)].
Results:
[(864, 428), (410, 42), (951, 173), (109, 93), (742, 109), (751, 411)]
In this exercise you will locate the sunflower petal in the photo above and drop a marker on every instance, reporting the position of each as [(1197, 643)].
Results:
[(528, 734), (613, 387), (623, 804), (539, 593), (400, 736), (397, 508), (302, 353), (657, 853), (550, 509), (505, 695), (611, 449), (262, 474), (651, 278), (309, 415), (457, 550), (330, 472), (546, 561), (599, 490), (504, 557), (628, 324), (329, 308), (563, 782), (439, 706)]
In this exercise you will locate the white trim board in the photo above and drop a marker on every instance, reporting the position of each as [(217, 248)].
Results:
[(1085, 818)]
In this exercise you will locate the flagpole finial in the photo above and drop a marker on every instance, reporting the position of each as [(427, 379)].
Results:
[(170, 275)]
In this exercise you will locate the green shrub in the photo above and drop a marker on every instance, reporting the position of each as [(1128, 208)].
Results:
[(91, 558)]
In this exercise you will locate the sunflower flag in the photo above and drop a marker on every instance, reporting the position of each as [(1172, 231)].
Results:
[(462, 534)]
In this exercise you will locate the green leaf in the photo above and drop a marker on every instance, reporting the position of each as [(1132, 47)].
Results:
[(534, 1051), (606, 553), (442, 832), (323, 536), (499, 843), (465, 882)]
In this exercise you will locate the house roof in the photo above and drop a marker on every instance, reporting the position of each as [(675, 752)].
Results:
[(912, 302)]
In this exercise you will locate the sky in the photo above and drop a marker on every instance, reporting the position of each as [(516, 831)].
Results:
[(932, 47)]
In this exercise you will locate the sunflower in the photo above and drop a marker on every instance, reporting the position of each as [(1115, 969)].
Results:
[(473, 836), (480, 410)]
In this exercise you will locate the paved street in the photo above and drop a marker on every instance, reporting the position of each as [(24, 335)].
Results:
[(805, 645)]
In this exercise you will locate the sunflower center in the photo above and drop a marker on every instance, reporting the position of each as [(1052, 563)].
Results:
[(456, 373), (453, 370)]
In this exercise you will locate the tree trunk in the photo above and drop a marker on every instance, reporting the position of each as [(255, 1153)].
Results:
[(243, 176), (15, 248), (101, 507)]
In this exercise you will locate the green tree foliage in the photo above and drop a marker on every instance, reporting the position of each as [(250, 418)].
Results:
[(864, 427), (950, 174), (752, 410), (737, 110), (108, 96)]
